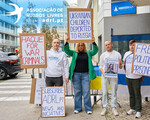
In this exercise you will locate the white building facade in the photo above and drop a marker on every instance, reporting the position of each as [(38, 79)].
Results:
[(8, 30), (119, 26)]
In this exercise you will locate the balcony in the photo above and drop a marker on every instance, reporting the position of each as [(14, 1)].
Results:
[(6, 7), (8, 20), (8, 42), (8, 31)]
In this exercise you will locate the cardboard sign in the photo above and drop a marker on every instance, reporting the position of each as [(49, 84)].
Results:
[(40, 82), (33, 50), (111, 68), (80, 25), (141, 59), (53, 101)]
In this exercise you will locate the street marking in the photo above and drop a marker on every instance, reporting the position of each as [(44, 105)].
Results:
[(14, 83), (14, 98), (14, 92), (15, 87)]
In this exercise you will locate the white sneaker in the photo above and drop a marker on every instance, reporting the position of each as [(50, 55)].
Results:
[(76, 112), (138, 115), (131, 111), (115, 111), (104, 110), (89, 112)]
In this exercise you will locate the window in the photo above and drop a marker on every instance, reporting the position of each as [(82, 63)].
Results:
[(1, 36), (1, 11), (6, 37), (6, 25), (1, 24), (121, 42), (12, 38), (99, 4)]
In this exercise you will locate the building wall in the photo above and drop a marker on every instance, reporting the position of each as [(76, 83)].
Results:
[(8, 30), (126, 25)]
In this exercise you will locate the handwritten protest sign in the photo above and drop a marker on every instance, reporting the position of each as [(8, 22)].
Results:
[(40, 82), (80, 25), (111, 68), (33, 50), (53, 101), (141, 59)]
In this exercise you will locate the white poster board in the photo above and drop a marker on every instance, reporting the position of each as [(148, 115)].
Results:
[(40, 82), (33, 50), (53, 102), (80, 25), (141, 59), (111, 68)]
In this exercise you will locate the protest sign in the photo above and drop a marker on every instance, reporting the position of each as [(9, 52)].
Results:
[(53, 101), (33, 50), (80, 25), (141, 59), (111, 68), (40, 82)]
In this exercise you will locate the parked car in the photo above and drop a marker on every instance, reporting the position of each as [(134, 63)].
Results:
[(9, 65)]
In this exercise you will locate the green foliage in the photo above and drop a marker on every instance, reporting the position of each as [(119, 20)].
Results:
[(30, 23), (50, 34)]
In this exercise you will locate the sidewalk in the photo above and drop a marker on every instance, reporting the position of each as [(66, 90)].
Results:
[(22, 110)]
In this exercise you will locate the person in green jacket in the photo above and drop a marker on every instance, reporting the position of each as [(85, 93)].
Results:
[(81, 71)]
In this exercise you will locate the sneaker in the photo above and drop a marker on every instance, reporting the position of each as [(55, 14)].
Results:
[(89, 112), (115, 111), (131, 111), (138, 115), (103, 112), (76, 112)]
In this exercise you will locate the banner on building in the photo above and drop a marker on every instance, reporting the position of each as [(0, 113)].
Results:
[(33, 50), (80, 25), (120, 8)]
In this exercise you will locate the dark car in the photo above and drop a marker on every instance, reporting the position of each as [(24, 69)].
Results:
[(9, 65)]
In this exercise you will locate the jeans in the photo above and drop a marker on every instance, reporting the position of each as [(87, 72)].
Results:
[(54, 81), (114, 86), (81, 85), (134, 87)]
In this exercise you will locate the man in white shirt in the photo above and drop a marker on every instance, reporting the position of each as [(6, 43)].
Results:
[(133, 82), (109, 54), (57, 65)]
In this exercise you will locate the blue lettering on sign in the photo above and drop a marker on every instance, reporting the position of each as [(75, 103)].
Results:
[(78, 15), (142, 70), (120, 8), (142, 48)]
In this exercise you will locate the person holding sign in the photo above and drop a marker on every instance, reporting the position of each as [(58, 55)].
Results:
[(57, 65), (110, 54), (80, 73), (133, 82)]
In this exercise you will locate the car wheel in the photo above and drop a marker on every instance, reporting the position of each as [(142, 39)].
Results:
[(3, 74), (13, 75)]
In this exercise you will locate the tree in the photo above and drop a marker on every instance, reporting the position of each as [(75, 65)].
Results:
[(30, 23), (50, 34)]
